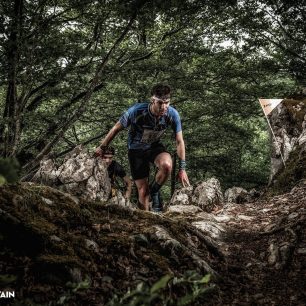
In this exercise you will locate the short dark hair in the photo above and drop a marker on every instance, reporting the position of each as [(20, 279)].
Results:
[(107, 150), (160, 90)]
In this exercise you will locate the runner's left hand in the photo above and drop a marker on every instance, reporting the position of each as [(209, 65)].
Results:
[(183, 178)]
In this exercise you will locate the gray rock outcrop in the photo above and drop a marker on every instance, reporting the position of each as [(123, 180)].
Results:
[(236, 195), (206, 195), (288, 122), (80, 174)]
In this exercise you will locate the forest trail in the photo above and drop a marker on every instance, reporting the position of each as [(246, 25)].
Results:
[(256, 251), (265, 249)]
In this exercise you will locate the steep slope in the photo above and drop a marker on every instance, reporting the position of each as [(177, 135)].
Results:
[(52, 243), (58, 249)]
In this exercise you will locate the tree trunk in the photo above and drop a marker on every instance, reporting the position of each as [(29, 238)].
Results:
[(10, 130)]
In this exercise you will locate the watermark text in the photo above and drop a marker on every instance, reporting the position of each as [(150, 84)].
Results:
[(7, 294)]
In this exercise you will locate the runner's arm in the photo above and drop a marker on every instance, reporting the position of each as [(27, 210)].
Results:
[(180, 147), (110, 136), (112, 133)]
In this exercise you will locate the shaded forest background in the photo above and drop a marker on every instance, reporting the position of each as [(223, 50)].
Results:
[(70, 68)]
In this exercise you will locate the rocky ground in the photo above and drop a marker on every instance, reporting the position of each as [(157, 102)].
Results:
[(57, 249), (264, 246)]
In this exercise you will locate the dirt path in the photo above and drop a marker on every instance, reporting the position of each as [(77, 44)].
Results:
[(265, 247)]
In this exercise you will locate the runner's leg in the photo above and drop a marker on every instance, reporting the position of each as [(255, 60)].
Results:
[(140, 168), (163, 162), (143, 193)]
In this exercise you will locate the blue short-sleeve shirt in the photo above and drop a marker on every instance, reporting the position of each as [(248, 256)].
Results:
[(145, 128)]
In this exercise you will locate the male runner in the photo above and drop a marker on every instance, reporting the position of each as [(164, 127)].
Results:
[(115, 170), (148, 122)]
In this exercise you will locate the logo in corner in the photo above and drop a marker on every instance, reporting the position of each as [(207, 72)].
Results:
[(7, 294)]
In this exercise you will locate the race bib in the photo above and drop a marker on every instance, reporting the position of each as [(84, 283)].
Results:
[(150, 136)]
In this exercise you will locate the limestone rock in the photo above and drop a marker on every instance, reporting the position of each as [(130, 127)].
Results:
[(90, 244), (80, 174), (273, 254), (76, 169), (208, 194), (47, 173), (185, 209), (182, 196), (288, 122), (205, 195), (213, 229), (119, 199), (302, 138), (236, 195)]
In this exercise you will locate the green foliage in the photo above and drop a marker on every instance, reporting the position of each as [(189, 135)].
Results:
[(27, 302), (291, 175), (161, 284), (2, 180), (73, 288), (169, 290), (197, 285), (9, 170), (7, 279), (218, 57), (79, 286)]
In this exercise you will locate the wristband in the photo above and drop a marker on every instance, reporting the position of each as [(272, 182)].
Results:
[(182, 164)]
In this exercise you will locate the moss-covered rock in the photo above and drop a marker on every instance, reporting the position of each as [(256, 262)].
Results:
[(291, 175), (288, 122), (9, 170), (56, 249), (50, 239)]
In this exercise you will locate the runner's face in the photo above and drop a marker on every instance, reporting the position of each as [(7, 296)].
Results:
[(160, 106), (107, 158)]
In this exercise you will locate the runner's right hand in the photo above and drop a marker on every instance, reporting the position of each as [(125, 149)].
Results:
[(98, 152)]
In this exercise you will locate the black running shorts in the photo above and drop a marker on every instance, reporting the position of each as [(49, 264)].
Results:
[(140, 160)]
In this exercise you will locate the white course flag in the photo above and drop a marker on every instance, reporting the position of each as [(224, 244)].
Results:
[(269, 104)]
